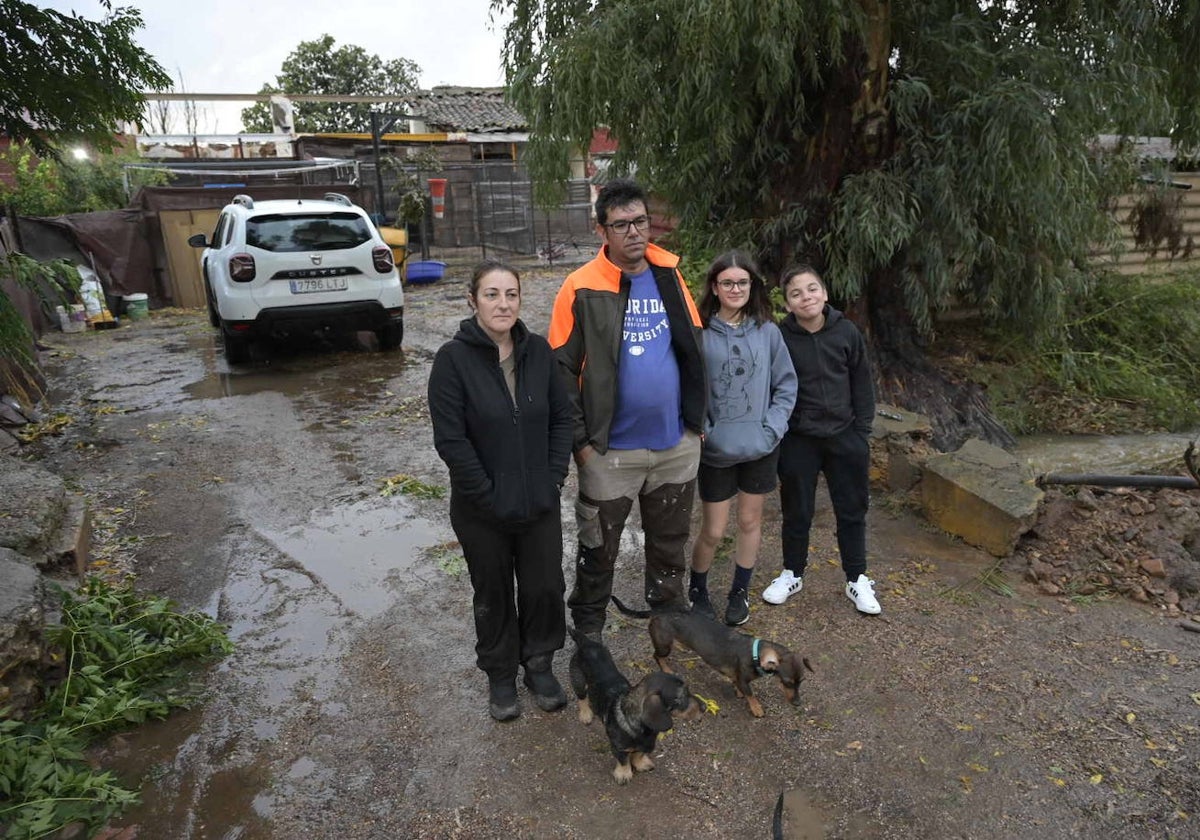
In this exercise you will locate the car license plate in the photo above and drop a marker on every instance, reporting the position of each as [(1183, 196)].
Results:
[(318, 284)]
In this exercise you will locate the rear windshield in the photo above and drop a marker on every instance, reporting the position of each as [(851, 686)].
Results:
[(312, 232)]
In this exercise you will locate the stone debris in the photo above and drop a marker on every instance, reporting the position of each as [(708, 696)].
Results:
[(1141, 544)]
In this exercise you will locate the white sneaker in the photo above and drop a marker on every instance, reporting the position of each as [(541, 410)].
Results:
[(862, 593), (784, 586)]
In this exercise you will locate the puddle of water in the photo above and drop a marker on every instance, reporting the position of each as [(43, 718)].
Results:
[(800, 818), (352, 549), (294, 600), (1104, 454), (295, 372)]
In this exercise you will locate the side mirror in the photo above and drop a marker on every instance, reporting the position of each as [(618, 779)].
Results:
[(198, 240)]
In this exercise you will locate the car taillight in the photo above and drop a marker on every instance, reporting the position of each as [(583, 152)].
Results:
[(241, 268), (382, 258)]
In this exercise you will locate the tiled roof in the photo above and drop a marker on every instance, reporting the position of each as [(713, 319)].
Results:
[(465, 109)]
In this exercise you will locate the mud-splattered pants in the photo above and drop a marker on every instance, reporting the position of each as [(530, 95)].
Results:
[(846, 460), (664, 483), (517, 575)]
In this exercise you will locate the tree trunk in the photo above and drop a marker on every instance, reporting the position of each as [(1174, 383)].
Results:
[(904, 376), (857, 135)]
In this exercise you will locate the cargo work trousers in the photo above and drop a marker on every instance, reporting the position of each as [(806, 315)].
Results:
[(664, 483)]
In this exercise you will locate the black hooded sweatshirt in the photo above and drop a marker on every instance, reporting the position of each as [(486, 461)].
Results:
[(508, 457), (836, 389)]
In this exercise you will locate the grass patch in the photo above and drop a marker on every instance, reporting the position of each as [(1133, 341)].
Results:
[(126, 658), (992, 579), (1126, 358)]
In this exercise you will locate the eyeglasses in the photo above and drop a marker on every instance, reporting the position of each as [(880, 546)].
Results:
[(621, 228), (730, 285)]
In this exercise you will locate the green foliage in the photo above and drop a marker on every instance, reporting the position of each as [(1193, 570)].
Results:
[(65, 77), (126, 657), (1126, 357), (409, 187), (938, 150), (449, 558), (52, 187), (56, 282), (409, 485), (318, 67)]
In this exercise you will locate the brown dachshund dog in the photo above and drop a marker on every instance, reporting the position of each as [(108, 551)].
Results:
[(739, 657), (633, 715)]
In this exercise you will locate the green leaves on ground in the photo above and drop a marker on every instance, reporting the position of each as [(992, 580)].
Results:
[(127, 658), (409, 485)]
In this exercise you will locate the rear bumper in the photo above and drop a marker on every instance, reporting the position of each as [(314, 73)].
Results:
[(342, 317)]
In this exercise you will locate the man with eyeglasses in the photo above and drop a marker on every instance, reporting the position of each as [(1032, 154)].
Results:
[(627, 336)]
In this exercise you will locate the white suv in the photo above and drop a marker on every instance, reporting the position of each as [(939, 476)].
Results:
[(278, 266)]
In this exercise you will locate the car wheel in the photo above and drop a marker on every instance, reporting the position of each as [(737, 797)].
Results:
[(390, 336), (237, 348)]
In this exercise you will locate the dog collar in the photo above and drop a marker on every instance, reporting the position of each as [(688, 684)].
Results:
[(754, 652)]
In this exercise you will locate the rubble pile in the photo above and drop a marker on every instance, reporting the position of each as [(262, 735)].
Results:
[(1094, 543)]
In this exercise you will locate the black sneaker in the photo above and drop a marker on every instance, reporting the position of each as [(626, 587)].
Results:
[(738, 610), (502, 699), (547, 693), (701, 605)]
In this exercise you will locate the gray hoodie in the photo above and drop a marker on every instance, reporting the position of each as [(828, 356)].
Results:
[(751, 391)]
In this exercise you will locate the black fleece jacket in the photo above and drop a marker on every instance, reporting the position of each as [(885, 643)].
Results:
[(508, 457), (836, 388)]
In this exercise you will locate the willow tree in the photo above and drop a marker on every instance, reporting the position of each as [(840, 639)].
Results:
[(924, 153)]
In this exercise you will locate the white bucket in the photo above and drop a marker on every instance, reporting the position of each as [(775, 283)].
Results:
[(74, 321)]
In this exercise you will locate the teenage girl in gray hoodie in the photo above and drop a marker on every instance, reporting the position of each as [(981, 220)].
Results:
[(751, 393)]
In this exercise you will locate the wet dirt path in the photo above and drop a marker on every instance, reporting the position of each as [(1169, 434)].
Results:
[(352, 709)]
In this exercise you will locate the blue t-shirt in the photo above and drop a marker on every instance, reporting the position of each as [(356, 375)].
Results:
[(649, 411)]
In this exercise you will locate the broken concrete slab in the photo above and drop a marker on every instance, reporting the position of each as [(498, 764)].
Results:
[(900, 444), (72, 550), (41, 519), (33, 503), (22, 616), (981, 494)]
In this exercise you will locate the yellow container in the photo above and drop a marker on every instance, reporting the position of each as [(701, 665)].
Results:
[(397, 240)]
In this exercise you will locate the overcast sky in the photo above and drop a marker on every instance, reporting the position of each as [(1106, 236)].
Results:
[(236, 46)]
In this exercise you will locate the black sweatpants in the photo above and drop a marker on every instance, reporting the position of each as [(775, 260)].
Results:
[(517, 575), (845, 459)]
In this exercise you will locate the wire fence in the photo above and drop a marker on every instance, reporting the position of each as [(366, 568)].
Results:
[(489, 206)]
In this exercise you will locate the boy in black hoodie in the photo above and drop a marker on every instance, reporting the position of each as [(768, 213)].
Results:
[(828, 433)]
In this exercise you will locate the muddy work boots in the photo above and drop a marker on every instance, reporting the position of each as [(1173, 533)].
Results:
[(502, 698), (540, 681)]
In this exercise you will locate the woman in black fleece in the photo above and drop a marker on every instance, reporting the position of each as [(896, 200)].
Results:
[(503, 425)]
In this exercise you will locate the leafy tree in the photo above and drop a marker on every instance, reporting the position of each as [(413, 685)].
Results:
[(53, 186), (66, 77), (921, 153), (317, 67), (63, 78)]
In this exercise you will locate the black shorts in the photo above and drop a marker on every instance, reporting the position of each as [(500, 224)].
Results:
[(720, 483)]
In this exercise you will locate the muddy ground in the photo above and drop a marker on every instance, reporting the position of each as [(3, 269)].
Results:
[(352, 709)]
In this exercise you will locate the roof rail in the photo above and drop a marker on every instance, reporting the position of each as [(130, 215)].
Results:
[(338, 198), (244, 200)]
